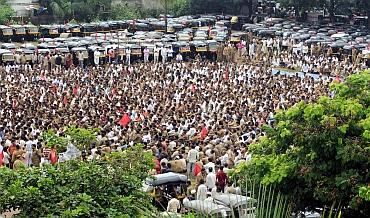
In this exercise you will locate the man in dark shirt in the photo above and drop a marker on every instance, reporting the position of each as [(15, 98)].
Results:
[(58, 61)]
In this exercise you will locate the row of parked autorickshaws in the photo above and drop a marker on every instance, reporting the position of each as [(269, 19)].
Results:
[(32, 32), (88, 47)]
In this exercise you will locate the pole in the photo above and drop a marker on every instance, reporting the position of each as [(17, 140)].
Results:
[(118, 51), (165, 16)]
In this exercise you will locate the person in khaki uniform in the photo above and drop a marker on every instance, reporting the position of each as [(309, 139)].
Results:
[(23, 59), (354, 55), (219, 53), (225, 53)]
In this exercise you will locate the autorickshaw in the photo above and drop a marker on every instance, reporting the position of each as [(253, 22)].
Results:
[(103, 27), (223, 23), (28, 53), (74, 29), (208, 209), (88, 29), (162, 185), (114, 26), (123, 25), (62, 50), (198, 47), (8, 46), (49, 31), (75, 51), (6, 56), (237, 22), (136, 52), (6, 33), (158, 26), (237, 37), (242, 206), (212, 49), (91, 50), (28, 46), (43, 51), (32, 32)]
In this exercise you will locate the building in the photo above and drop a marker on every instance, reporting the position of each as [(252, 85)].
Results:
[(22, 7), (153, 4)]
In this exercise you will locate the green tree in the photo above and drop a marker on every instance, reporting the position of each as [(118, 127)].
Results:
[(178, 7), (126, 12), (82, 138), (6, 12), (300, 6), (109, 187), (81, 10), (319, 153)]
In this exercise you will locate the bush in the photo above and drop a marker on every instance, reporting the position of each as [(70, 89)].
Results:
[(6, 12), (318, 153), (110, 187)]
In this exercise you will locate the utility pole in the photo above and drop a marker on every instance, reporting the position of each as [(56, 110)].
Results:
[(165, 16)]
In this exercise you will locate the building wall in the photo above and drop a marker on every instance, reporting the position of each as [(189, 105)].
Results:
[(148, 4), (19, 7), (152, 4)]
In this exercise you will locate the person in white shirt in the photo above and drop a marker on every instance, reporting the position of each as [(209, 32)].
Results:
[(96, 57), (193, 156), (210, 165), (202, 191), (29, 153), (164, 55), (211, 179), (128, 56), (174, 204), (156, 54), (170, 53), (146, 55), (179, 57)]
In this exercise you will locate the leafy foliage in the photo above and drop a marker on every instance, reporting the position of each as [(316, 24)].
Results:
[(81, 10), (364, 193), (319, 152), (129, 12), (109, 187), (82, 138), (179, 7), (6, 12)]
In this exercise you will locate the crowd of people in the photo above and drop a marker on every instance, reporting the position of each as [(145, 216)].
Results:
[(192, 114)]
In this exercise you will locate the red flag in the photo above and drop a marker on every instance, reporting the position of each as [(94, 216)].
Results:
[(43, 39), (203, 133), (337, 79), (54, 88), (65, 100), (75, 90), (192, 87), (125, 120), (226, 76), (1, 158), (114, 92), (197, 169), (14, 103), (96, 36), (53, 157)]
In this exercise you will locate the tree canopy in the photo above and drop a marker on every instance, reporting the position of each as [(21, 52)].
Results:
[(319, 153), (6, 12), (333, 7), (107, 187)]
